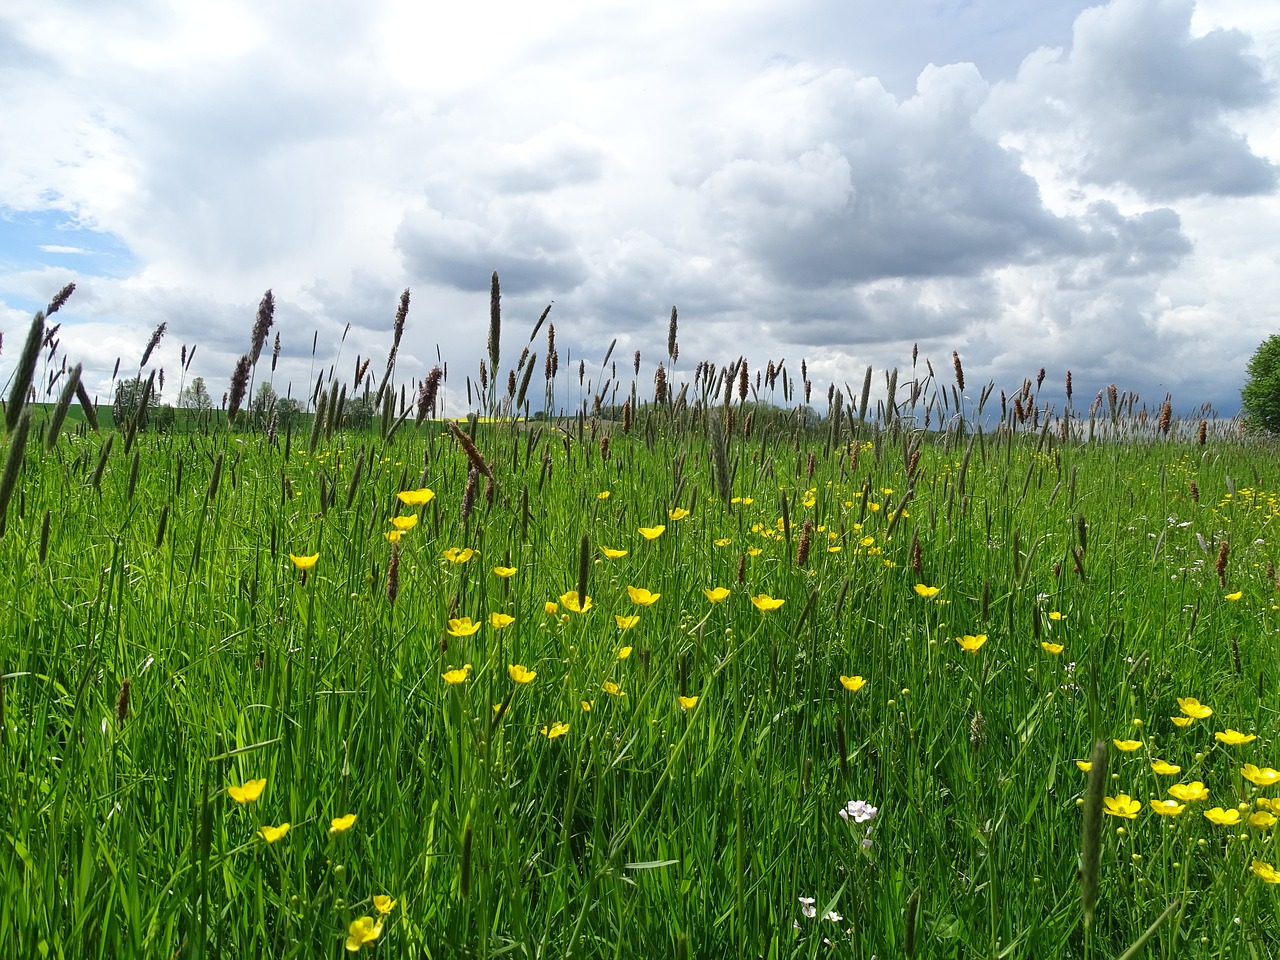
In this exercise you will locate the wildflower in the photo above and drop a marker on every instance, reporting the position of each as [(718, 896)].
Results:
[(1165, 769), (458, 675), (383, 904), (361, 932), (551, 608), (1122, 806), (833, 916), (927, 592), (520, 674), (1195, 790), (972, 644), (393, 536), (641, 596), (807, 908), (1233, 597), (456, 555), (624, 652), (625, 623), (504, 572), (677, 513), (745, 501), (754, 551), (1182, 721), (1262, 820), (1168, 808), (1053, 649), (304, 563), (1127, 746), (405, 523), (1266, 871), (342, 824), (1223, 818), (859, 811), (1260, 776), (500, 620), (723, 541), (572, 603), (652, 533), (612, 689), (557, 729), (1057, 615), (1234, 738), (1084, 765), (247, 792), (687, 703), (765, 603), (272, 834), (1194, 708), (715, 594), (602, 495), (416, 498), (462, 627), (587, 705), (852, 684), (1266, 804), (612, 554)]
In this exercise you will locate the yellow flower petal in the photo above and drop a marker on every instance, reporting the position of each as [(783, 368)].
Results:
[(304, 563), (1127, 746), (687, 703), (462, 627), (642, 597), (405, 523), (272, 834), (925, 591), (652, 533), (416, 498), (612, 554), (520, 674), (852, 684), (625, 623), (500, 620), (342, 824), (504, 572), (765, 603), (247, 792)]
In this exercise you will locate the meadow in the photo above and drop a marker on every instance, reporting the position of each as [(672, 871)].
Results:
[(697, 674)]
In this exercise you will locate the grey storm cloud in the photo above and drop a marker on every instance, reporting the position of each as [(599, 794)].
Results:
[(1146, 104)]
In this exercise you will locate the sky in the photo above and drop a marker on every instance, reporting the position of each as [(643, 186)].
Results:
[(1032, 185)]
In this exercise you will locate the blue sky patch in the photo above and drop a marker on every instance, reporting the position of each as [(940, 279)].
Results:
[(33, 240)]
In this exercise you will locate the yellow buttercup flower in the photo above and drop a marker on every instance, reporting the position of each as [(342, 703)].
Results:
[(1122, 806), (925, 591), (1057, 615), (1266, 871), (1260, 776), (677, 513), (587, 705), (1168, 808), (715, 594), (1233, 597), (641, 596), (970, 643), (551, 608), (722, 541), (342, 824), (500, 620), (754, 551), (1165, 769), (304, 563), (458, 675), (405, 523), (416, 498), (361, 932), (1262, 820), (1084, 765), (625, 623), (602, 495), (687, 703), (1187, 792), (612, 554), (572, 604), (1182, 721), (393, 536), (557, 729), (1127, 746), (383, 904), (272, 834), (765, 603), (520, 674), (459, 555), (1234, 738), (1053, 649), (652, 533), (504, 572), (248, 791), (1223, 818), (745, 501), (462, 627), (852, 684), (612, 689), (1194, 708), (624, 652)]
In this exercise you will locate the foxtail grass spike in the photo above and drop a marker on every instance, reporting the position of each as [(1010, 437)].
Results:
[(584, 567), (495, 322), (13, 465), (60, 300), (154, 342), (1091, 831), (25, 372), (69, 390)]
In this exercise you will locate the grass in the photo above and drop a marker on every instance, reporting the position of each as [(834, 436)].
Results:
[(160, 647)]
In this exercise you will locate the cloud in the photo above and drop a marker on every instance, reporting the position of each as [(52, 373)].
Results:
[(1139, 101)]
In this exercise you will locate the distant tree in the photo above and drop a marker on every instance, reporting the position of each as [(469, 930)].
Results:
[(128, 400), (288, 412), (195, 396), (1260, 398), (264, 402), (359, 412)]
